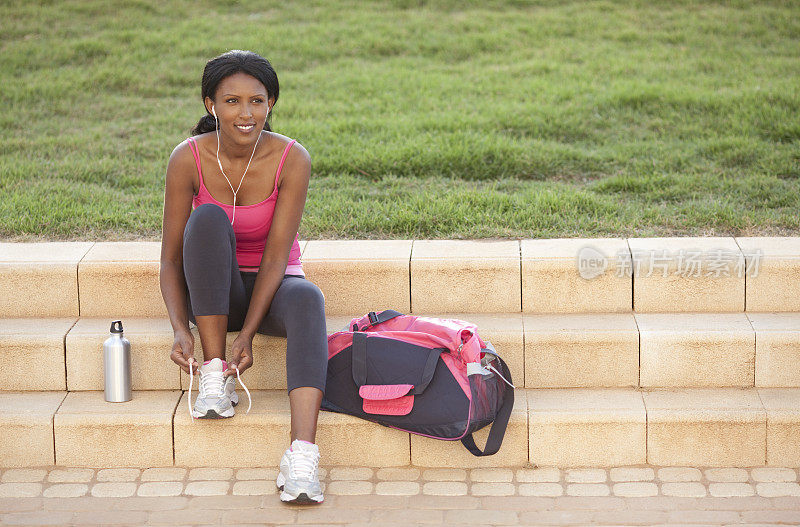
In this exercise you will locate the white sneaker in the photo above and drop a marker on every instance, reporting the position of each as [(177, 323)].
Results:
[(230, 389), (299, 474), (213, 401)]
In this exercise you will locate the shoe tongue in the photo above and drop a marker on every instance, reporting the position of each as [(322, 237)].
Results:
[(213, 365), (306, 447)]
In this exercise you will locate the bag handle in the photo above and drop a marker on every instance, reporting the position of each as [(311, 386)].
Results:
[(359, 358), (374, 319), (498, 430)]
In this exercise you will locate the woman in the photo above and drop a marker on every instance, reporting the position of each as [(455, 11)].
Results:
[(230, 259)]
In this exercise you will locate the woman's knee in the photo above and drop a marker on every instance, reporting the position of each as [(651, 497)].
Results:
[(208, 225), (307, 297), (207, 217)]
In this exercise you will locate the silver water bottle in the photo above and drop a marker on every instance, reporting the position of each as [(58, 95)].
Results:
[(117, 365)]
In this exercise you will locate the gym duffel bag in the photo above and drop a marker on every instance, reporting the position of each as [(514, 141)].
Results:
[(428, 376)]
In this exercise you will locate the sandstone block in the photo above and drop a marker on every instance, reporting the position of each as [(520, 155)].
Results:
[(586, 475), (576, 275), (160, 488), (773, 272), (457, 276), (773, 474), (783, 425), (581, 350), (705, 427), (690, 489), (679, 474), (38, 341), (114, 490), (397, 488), (347, 271), (40, 279), (774, 490), (696, 350), (90, 432), (120, 279), (586, 427), (71, 475), (727, 475), (66, 490), (777, 349), (693, 274), (351, 473), (28, 475), (26, 420), (164, 473)]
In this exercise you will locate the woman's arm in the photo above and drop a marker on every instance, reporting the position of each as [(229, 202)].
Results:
[(285, 223), (177, 207)]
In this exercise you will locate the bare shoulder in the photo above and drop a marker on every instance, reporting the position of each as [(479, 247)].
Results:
[(181, 166), (181, 156), (299, 157), (297, 154), (298, 160)]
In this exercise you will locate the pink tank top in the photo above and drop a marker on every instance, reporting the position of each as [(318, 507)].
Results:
[(252, 221)]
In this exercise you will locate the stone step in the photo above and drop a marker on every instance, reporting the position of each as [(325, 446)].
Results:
[(32, 353), (548, 427), (646, 350), (40, 279), (603, 275)]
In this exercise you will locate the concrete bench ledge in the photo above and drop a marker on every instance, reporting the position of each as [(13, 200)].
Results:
[(648, 350), (548, 427), (603, 275)]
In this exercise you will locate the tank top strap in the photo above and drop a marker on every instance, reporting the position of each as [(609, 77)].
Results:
[(280, 165), (195, 152)]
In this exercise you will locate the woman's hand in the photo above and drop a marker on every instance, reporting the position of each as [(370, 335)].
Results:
[(242, 352), (183, 351)]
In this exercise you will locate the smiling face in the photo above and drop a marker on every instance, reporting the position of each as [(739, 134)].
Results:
[(241, 104)]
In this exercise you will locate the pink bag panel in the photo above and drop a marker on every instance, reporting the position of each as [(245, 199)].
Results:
[(383, 392), (431, 332), (400, 406), (338, 341), (449, 327)]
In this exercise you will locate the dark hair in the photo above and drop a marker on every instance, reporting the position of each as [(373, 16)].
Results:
[(230, 62)]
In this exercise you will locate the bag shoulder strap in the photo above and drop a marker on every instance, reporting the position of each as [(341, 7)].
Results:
[(383, 316), (498, 430)]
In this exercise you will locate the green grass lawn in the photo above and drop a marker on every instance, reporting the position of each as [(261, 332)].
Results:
[(442, 119)]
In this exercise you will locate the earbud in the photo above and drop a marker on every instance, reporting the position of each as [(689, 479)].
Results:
[(214, 112)]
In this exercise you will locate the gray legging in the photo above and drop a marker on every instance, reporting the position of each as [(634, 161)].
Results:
[(217, 287)]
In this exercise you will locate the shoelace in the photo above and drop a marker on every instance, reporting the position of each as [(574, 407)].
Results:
[(217, 381), (303, 464), (249, 399)]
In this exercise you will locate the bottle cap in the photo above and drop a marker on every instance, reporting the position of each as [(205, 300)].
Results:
[(118, 328)]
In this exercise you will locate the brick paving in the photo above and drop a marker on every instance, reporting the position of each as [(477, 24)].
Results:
[(407, 496)]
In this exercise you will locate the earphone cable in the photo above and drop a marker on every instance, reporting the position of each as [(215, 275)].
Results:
[(216, 128)]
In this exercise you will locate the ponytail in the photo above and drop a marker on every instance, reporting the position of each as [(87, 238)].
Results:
[(205, 124)]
